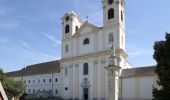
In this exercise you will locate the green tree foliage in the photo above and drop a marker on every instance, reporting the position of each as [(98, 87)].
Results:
[(1, 72), (162, 57), (11, 87)]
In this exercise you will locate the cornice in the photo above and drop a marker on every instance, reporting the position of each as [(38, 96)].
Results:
[(120, 52)]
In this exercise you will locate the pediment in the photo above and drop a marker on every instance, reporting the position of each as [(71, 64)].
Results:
[(87, 28)]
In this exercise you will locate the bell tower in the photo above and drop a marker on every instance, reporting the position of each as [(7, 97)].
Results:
[(70, 24), (114, 21), (114, 26), (113, 12)]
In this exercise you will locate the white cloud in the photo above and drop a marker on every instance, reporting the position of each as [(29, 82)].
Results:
[(52, 38), (134, 50), (3, 40), (8, 25), (37, 56), (58, 42), (135, 53), (33, 54), (4, 10), (26, 45)]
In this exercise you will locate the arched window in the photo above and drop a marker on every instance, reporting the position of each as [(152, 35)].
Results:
[(67, 18), (110, 37), (85, 69), (111, 13), (67, 28), (66, 48), (86, 41), (122, 15), (76, 28), (110, 1)]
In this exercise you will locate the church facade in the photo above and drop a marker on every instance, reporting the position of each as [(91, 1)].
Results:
[(93, 63), (86, 49)]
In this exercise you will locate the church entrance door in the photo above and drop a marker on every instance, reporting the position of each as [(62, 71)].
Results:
[(86, 94)]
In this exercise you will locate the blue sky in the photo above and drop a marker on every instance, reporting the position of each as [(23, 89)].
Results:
[(30, 30)]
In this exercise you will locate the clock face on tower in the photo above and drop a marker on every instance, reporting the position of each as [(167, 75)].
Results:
[(110, 1)]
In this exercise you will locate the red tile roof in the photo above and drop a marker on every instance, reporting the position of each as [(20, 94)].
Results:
[(140, 71), (37, 69)]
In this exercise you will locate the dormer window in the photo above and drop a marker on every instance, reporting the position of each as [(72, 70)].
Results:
[(67, 28), (86, 41), (67, 18)]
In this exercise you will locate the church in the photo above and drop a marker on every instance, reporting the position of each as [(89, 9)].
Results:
[(93, 63)]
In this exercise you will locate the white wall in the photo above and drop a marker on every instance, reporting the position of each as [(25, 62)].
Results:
[(33, 83), (137, 88), (146, 84), (128, 88), (88, 48)]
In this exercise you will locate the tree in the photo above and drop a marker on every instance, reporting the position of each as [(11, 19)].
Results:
[(1, 72), (162, 57), (11, 87), (14, 88)]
